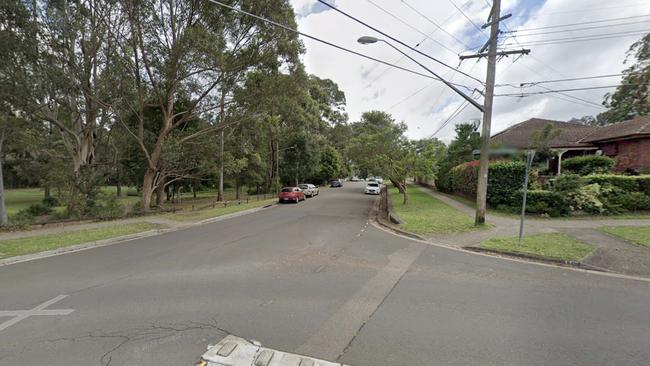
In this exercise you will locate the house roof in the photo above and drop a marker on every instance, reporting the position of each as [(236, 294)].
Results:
[(521, 135), (615, 131)]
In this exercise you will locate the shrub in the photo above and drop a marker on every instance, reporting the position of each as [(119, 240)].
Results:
[(544, 202), (590, 164), (50, 201), (505, 179), (106, 207), (633, 201), (639, 183), (38, 209), (568, 183)]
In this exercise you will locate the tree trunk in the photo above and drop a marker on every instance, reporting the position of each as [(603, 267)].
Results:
[(4, 220), (147, 189), (237, 189), (118, 189), (160, 192), (401, 187), (46, 191), (220, 194), (193, 191)]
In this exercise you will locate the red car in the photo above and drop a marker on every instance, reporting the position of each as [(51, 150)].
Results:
[(291, 194)]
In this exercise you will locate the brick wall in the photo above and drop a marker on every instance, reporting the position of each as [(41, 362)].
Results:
[(629, 154)]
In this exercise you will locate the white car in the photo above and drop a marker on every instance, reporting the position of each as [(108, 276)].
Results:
[(372, 188), (379, 180), (309, 190)]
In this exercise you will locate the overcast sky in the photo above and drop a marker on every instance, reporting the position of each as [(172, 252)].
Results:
[(369, 85)]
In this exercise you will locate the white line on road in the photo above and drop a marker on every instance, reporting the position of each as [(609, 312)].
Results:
[(38, 310)]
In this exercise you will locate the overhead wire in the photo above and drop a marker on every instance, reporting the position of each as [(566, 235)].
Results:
[(395, 39), (331, 44), (481, 30), (581, 23), (455, 52), (576, 29), (543, 42), (434, 23)]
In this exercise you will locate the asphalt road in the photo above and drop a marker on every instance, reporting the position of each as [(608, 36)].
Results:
[(315, 278)]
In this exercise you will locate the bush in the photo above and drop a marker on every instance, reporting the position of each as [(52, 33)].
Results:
[(50, 201), (505, 179), (544, 202), (106, 207), (633, 201), (590, 164), (38, 209), (639, 183), (568, 183)]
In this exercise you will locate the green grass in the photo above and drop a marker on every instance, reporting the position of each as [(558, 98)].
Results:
[(217, 211), (636, 234), (426, 215), (553, 246), (35, 244)]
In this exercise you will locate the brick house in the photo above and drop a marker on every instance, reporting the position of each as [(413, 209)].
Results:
[(628, 142)]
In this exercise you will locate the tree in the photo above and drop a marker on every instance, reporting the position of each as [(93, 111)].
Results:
[(460, 150), (541, 140), (195, 49), (632, 97)]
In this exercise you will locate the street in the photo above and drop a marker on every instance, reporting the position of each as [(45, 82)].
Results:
[(315, 278)]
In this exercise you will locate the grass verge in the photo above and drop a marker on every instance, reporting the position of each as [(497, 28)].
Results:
[(426, 215), (552, 246), (636, 234), (217, 211), (35, 244)]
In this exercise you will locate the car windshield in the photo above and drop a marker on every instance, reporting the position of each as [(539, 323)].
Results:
[(373, 185), (287, 189), (303, 186)]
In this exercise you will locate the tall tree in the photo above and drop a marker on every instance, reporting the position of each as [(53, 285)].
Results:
[(193, 48), (632, 97)]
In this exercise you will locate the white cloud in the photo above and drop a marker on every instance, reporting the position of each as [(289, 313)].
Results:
[(369, 85)]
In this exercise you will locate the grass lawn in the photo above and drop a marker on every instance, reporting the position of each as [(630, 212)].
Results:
[(219, 210), (635, 234), (555, 246), (426, 215), (14, 247)]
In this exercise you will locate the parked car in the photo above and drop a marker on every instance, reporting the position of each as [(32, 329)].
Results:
[(336, 183), (372, 188), (309, 189), (371, 179), (379, 180), (291, 194), (354, 179)]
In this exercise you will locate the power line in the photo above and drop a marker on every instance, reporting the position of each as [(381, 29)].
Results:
[(417, 45), (434, 23), (395, 39), (576, 29), (533, 83), (585, 9), (458, 110), (330, 43), (557, 91), (544, 42), (581, 23), (468, 18), (412, 27)]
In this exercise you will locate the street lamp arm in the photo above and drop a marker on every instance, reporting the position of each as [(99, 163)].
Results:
[(458, 91)]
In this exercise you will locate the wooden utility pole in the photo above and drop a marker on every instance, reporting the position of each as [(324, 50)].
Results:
[(491, 45)]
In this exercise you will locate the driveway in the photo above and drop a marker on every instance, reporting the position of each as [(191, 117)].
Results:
[(314, 278)]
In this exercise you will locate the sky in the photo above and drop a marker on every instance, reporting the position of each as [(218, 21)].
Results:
[(424, 104)]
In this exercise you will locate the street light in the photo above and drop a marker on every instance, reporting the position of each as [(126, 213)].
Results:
[(371, 40)]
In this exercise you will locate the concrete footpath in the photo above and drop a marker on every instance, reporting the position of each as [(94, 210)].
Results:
[(611, 253)]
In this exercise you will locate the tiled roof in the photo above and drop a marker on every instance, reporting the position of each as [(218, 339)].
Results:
[(637, 126), (521, 135)]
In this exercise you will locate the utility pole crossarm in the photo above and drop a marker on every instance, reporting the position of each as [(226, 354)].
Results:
[(523, 51)]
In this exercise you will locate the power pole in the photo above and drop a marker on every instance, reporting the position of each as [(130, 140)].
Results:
[(493, 22)]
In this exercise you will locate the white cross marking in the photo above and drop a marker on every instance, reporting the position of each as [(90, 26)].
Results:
[(39, 310)]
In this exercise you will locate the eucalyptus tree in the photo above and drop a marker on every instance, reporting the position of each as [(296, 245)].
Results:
[(192, 49)]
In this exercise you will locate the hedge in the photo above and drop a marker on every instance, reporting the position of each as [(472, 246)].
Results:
[(629, 184), (544, 202), (505, 179), (590, 164)]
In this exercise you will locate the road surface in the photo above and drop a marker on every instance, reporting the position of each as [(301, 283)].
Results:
[(314, 278)]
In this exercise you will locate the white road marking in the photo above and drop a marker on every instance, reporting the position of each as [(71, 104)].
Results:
[(37, 311)]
